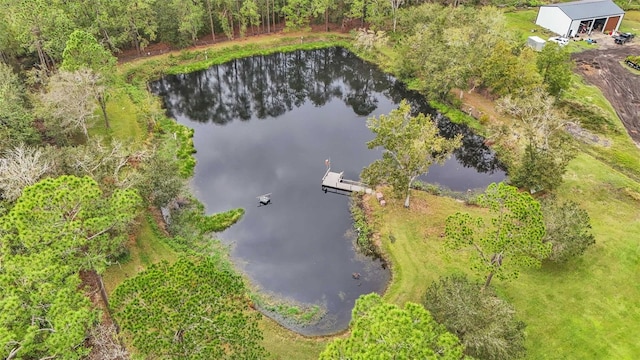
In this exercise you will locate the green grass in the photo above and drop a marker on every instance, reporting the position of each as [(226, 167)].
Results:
[(631, 23), (411, 241), (586, 309), (522, 22), (284, 344), (145, 248), (623, 153), (124, 120)]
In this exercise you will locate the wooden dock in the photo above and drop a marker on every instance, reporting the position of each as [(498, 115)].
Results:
[(335, 181)]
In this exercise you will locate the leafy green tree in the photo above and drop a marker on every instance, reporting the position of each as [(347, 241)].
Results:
[(82, 50), (378, 13), (323, 7), (189, 310), (9, 45), (15, 116), (567, 229), (447, 47), (485, 324), (70, 216), (209, 4), (297, 14), (121, 23), (381, 330), (226, 12), (249, 16), (540, 169), (41, 27), (507, 72), (555, 65), (190, 18), (134, 22), (42, 313), (411, 145), (355, 9), (161, 179), (509, 238)]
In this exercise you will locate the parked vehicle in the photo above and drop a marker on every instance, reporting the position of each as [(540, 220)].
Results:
[(562, 41), (628, 36), (623, 38)]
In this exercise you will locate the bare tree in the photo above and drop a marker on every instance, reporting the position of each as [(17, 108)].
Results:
[(72, 99), (111, 163), (537, 116), (21, 166), (105, 345)]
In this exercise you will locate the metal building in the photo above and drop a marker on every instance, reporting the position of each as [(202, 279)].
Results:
[(580, 17)]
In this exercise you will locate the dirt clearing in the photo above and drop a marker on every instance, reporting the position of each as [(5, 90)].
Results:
[(602, 67)]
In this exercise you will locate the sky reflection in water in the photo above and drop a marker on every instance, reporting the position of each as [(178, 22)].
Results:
[(266, 125)]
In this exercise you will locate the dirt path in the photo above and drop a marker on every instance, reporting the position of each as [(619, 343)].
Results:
[(601, 67), (204, 41)]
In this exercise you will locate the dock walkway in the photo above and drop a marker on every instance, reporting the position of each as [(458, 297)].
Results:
[(335, 181)]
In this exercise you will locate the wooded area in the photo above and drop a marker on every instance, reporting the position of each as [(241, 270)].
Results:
[(87, 158)]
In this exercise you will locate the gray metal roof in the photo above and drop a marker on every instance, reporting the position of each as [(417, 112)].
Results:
[(589, 9)]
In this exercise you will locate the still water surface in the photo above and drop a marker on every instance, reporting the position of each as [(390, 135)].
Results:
[(266, 124)]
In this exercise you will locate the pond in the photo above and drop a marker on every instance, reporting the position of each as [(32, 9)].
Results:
[(267, 124)]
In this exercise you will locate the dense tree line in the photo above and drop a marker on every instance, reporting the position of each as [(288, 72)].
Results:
[(40, 28)]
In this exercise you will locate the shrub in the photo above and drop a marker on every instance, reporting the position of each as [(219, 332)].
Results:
[(364, 232), (591, 117), (486, 324)]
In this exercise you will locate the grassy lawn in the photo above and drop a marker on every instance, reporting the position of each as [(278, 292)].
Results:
[(522, 22), (145, 248), (411, 238), (631, 22), (124, 120), (623, 153), (586, 309), (283, 344)]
